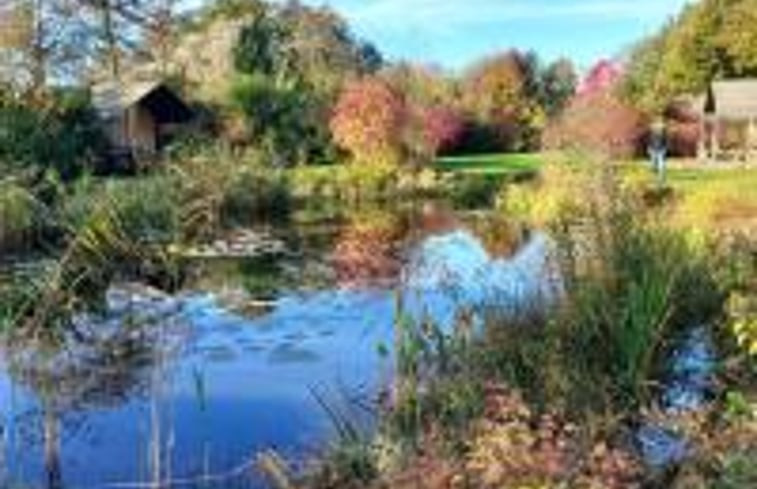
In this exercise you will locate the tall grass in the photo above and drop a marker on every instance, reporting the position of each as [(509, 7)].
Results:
[(99, 249), (147, 207), (22, 216), (630, 284), (719, 200), (217, 191)]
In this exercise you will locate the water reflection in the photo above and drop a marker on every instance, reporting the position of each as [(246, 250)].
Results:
[(192, 385)]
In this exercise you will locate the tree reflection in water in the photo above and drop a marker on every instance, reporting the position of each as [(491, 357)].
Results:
[(98, 363)]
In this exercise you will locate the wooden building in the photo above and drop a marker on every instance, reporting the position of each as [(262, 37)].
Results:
[(729, 122), (139, 117)]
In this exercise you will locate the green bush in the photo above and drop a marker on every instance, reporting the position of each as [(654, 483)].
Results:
[(65, 136), (253, 194), (357, 183), (21, 217), (471, 191), (630, 285), (147, 207)]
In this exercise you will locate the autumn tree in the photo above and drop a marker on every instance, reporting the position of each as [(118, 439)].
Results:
[(433, 120), (368, 121), (502, 94), (430, 130), (324, 48), (598, 121), (597, 118), (738, 37), (422, 85), (604, 76), (558, 85), (708, 40), (291, 61)]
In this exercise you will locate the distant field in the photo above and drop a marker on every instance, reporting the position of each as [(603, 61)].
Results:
[(492, 164)]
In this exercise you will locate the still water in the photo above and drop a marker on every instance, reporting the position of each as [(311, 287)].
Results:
[(189, 387)]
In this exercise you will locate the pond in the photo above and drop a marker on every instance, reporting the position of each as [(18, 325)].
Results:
[(253, 354)]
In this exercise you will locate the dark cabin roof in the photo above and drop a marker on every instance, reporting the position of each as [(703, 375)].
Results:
[(111, 99), (732, 98)]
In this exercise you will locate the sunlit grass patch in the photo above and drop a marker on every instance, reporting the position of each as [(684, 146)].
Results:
[(497, 163), (717, 199)]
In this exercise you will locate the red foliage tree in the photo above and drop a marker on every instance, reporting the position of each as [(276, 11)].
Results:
[(597, 119), (368, 120), (684, 128), (602, 77), (441, 128)]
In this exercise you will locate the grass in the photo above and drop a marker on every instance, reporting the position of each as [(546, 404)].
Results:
[(511, 164), (716, 199), (629, 286), (691, 178)]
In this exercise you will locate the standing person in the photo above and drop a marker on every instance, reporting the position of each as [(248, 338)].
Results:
[(658, 149)]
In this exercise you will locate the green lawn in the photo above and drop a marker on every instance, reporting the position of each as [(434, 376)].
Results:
[(688, 178), (492, 164)]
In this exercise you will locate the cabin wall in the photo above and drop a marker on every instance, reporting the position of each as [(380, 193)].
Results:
[(141, 129)]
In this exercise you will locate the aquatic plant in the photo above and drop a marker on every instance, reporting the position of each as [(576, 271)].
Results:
[(99, 250), (630, 285), (147, 206), (475, 191), (217, 191), (254, 194)]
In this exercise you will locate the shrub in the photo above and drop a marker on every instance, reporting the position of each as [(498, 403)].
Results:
[(516, 447), (684, 129), (64, 137), (628, 286), (433, 130), (312, 183), (551, 196), (254, 194), (598, 122), (147, 208), (472, 191), (368, 121), (21, 217)]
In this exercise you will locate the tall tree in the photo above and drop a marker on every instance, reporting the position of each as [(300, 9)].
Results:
[(710, 39), (558, 81), (738, 38), (502, 95), (368, 121), (39, 39), (293, 60)]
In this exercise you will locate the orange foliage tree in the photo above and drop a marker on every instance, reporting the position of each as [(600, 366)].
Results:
[(501, 94), (368, 121)]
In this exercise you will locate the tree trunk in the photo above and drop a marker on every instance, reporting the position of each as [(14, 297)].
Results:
[(110, 39)]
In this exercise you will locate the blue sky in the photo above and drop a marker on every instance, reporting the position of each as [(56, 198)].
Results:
[(453, 33)]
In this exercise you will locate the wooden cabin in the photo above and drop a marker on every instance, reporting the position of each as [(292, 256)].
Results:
[(729, 122), (139, 118)]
